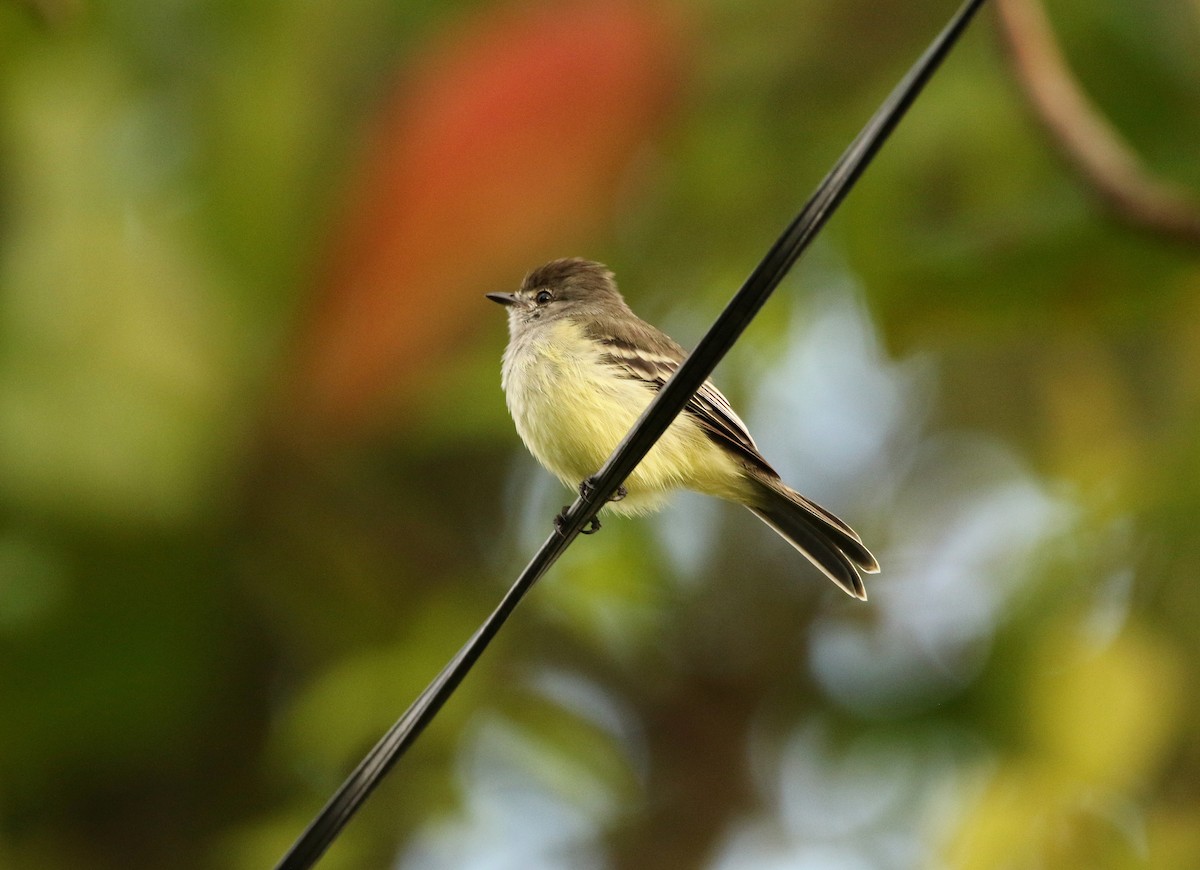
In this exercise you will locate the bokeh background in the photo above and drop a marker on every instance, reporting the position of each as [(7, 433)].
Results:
[(257, 480)]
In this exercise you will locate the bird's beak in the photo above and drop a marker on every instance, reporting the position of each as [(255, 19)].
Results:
[(502, 298)]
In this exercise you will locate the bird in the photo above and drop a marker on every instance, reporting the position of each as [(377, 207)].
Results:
[(579, 369)]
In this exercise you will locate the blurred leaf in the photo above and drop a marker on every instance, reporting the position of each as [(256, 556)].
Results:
[(114, 357), (1106, 714), (1033, 816)]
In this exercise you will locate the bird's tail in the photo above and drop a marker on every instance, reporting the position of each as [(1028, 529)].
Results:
[(824, 539)]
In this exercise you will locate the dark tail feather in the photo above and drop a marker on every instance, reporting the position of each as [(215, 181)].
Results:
[(828, 542)]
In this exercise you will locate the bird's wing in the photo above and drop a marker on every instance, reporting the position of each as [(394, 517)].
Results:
[(652, 357)]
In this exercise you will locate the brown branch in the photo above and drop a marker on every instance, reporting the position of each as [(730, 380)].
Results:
[(1091, 145)]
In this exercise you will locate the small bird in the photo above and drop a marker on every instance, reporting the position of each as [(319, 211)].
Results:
[(579, 369)]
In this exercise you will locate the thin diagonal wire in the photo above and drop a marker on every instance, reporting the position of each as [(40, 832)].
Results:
[(667, 404)]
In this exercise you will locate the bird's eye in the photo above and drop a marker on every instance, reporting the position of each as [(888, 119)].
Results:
[(543, 297)]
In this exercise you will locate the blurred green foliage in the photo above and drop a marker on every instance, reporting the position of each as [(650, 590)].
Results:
[(211, 606)]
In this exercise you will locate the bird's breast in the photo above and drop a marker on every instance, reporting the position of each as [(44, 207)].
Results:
[(572, 409)]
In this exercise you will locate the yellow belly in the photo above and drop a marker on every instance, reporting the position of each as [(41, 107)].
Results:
[(571, 412)]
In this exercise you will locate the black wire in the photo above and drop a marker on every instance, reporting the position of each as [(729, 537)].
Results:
[(667, 404)]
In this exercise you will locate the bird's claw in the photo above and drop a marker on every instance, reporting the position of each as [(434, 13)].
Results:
[(588, 486), (560, 523)]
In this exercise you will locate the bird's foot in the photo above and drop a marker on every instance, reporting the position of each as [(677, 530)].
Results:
[(560, 523), (588, 486)]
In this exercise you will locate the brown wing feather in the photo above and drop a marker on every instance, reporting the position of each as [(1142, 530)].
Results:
[(644, 353)]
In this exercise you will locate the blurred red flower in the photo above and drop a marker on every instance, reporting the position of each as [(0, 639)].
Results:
[(506, 145)]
